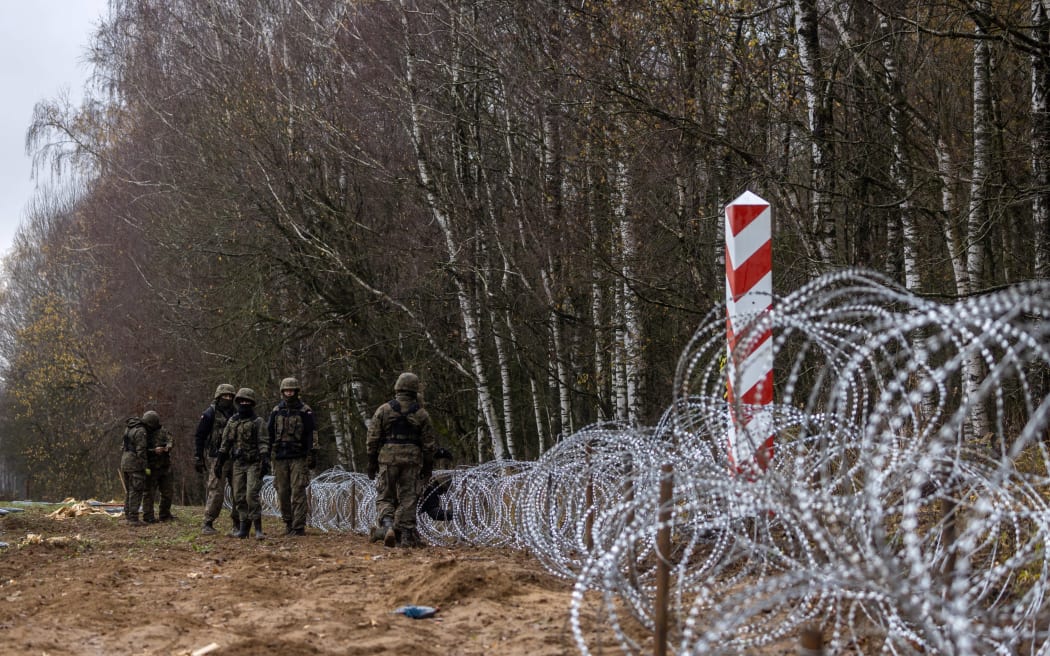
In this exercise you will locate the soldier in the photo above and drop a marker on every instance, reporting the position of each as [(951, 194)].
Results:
[(133, 462), (400, 453), (291, 428), (244, 441), (160, 481), (207, 441)]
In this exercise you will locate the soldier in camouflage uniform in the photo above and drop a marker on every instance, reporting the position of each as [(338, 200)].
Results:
[(206, 442), (160, 481), (400, 448), (244, 441), (291, 429), (133, 461)]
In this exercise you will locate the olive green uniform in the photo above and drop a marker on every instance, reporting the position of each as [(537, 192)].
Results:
[(401, 442), (133, 467)]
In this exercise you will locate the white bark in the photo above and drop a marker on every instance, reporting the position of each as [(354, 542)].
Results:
[(821, 225), (978, 217), (1041, 137), (468, 311), (629, 308)]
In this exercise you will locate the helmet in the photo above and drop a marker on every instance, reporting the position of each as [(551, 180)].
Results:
[(224, 388), (245, 393), (407, 382), (151, 419), (290, 383)]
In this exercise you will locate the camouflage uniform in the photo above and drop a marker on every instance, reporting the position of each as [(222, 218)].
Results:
[(160, 481), (400, 449), (244, 441), (291, 429), (133, 462), (207, 441)]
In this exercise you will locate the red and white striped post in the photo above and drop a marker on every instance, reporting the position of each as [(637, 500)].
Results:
[(749, 294)]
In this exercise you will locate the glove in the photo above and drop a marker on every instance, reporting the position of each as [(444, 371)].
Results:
[(427, 470), (148, 472), (198, 464), (373, 466), (264, 466), (311, 460)]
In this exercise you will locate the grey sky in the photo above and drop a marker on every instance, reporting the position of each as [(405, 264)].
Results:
[(42, 47)]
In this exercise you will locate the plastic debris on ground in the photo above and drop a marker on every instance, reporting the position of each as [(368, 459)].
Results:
[(417, 612)]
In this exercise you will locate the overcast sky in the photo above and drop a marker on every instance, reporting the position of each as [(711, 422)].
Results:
[(42, 52)]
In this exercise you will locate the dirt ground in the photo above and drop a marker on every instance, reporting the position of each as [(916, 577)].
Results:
[(89, 584)]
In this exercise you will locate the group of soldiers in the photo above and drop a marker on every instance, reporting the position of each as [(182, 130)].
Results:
[(236, 447)]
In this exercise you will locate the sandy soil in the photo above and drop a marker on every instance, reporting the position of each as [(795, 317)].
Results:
[(92, 585)]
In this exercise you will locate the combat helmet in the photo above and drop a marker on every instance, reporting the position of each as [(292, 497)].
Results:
[(245, 393), (407, 382), (290, 383), (224, 388), (151, 419)]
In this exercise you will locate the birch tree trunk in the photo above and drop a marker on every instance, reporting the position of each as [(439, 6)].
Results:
[(822, 226), (978, 217), (468, 312), (1041, 136), (628, 308)]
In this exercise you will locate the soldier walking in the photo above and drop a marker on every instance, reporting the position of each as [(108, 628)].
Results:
[(134, 466), (206, 445), (400, 448), (291, 429), (244, 442)]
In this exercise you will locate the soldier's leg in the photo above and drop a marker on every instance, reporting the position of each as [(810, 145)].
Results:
[(300, 479), (136, 483), (166, 488), (216, 492), (253, 484), (240, 492), (386, 494), (227, 486), (407, 496), (149, 498), (282, 483)]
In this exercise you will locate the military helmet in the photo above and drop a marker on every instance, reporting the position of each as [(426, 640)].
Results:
[(224, 388), (245, 393), (151, 419), (407, 382), (290, 383)]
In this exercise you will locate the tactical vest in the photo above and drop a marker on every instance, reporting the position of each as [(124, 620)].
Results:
[(403, 431), (218, 424), (288, 428), (245, 434)]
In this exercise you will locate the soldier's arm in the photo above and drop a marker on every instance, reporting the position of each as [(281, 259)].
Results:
[(141, 443), (264, 441), (375, 432), (200, 438), (227, 439), (428, 437), (308, 430)]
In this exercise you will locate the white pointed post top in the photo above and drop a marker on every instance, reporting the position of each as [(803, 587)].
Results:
[(749, 198)]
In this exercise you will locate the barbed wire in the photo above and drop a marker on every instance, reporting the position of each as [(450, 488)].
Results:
[(883, 518)]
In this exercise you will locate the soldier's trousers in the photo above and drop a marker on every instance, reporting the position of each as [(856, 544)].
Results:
[(290, 478), (247, 481), (397, 492), (135, 484), (160, 483), (216, 491)]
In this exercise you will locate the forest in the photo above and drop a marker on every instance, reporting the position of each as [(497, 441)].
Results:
[(522, 202)]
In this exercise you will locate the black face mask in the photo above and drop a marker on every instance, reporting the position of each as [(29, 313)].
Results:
[(225, 404), (245, 409)]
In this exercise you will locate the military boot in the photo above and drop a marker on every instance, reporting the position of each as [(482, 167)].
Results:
[(207, 529), (409, 539), (235, 530), (242, 532), (258, 529), (133, 520), (386, 525)]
